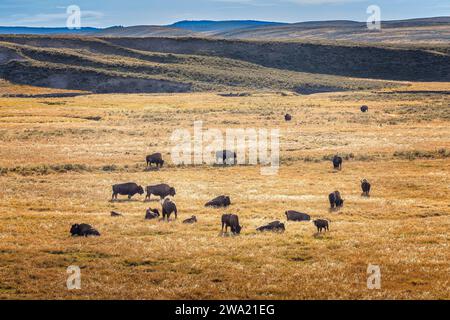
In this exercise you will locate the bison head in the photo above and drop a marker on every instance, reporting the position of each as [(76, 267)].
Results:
[(172, 191), (227, 201), (140, 190), (75, 229), (238, 229), (162, 162)]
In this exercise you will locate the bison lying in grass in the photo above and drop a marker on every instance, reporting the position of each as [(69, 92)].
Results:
[(83, 230)]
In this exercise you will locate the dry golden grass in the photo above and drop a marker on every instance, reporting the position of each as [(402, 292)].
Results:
[(56, 170)]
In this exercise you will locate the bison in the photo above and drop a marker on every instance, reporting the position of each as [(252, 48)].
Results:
[(337, 162), (151, 214), (335, 200), (191, 220), (226, 157), (155, 158), (232, 221), (129, 189), (365, 186), (115, 214), (364, 108), (168, 207), (287, 117), (321, 224), (292, 215), (273, 226), (161, 190), (220, 201), (83, 230)]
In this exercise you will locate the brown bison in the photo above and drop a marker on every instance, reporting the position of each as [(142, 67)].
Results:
[(321, 224), (151, 214), (115, 214), (273, 226), (335, 200), (155, 158), (226, 157), (364, 108), (287, 117), (292, 215), (126, 189), (83, 230), (337, 162), (232, 221), (365, 186), (168, 207), (191, 220), (161, 190), (220, 201)]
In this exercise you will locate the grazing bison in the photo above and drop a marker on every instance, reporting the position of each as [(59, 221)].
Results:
[(287, 117), (191, 220), (155, 158), (321, 224), (292, 215), (337, 162), (364, 108), (226, 157), (151, 214), (273, 226), (83, 230), (129, 189), (335, 200), (365, 186), (115, 214), (161, 190), (220, 201), (232, 221), (168, 207)]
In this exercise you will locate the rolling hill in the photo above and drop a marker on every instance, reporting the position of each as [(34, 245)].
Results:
[(113, 64)]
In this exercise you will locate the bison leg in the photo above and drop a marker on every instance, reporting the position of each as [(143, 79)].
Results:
[(129, 197), (113, 195)]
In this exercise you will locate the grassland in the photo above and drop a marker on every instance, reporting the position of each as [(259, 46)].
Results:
[(60, 156)]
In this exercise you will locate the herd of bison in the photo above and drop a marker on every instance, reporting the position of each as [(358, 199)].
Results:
[(225, 157)]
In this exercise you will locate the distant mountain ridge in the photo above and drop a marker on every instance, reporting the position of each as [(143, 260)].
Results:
[(435, 29), (217, 26)]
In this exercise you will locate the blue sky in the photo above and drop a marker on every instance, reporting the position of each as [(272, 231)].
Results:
[(103, 13)]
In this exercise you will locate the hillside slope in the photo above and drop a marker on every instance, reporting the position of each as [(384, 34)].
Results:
[(192, 64)]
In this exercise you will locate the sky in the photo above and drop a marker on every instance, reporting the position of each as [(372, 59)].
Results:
[(105, 13)]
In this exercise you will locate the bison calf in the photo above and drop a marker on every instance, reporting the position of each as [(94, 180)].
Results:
[(83, 230), (220, 201), (273, 226), (321, 224), (191, 220), (232, 221)]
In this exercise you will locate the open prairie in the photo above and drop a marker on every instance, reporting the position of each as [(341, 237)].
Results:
[(60, 156)]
